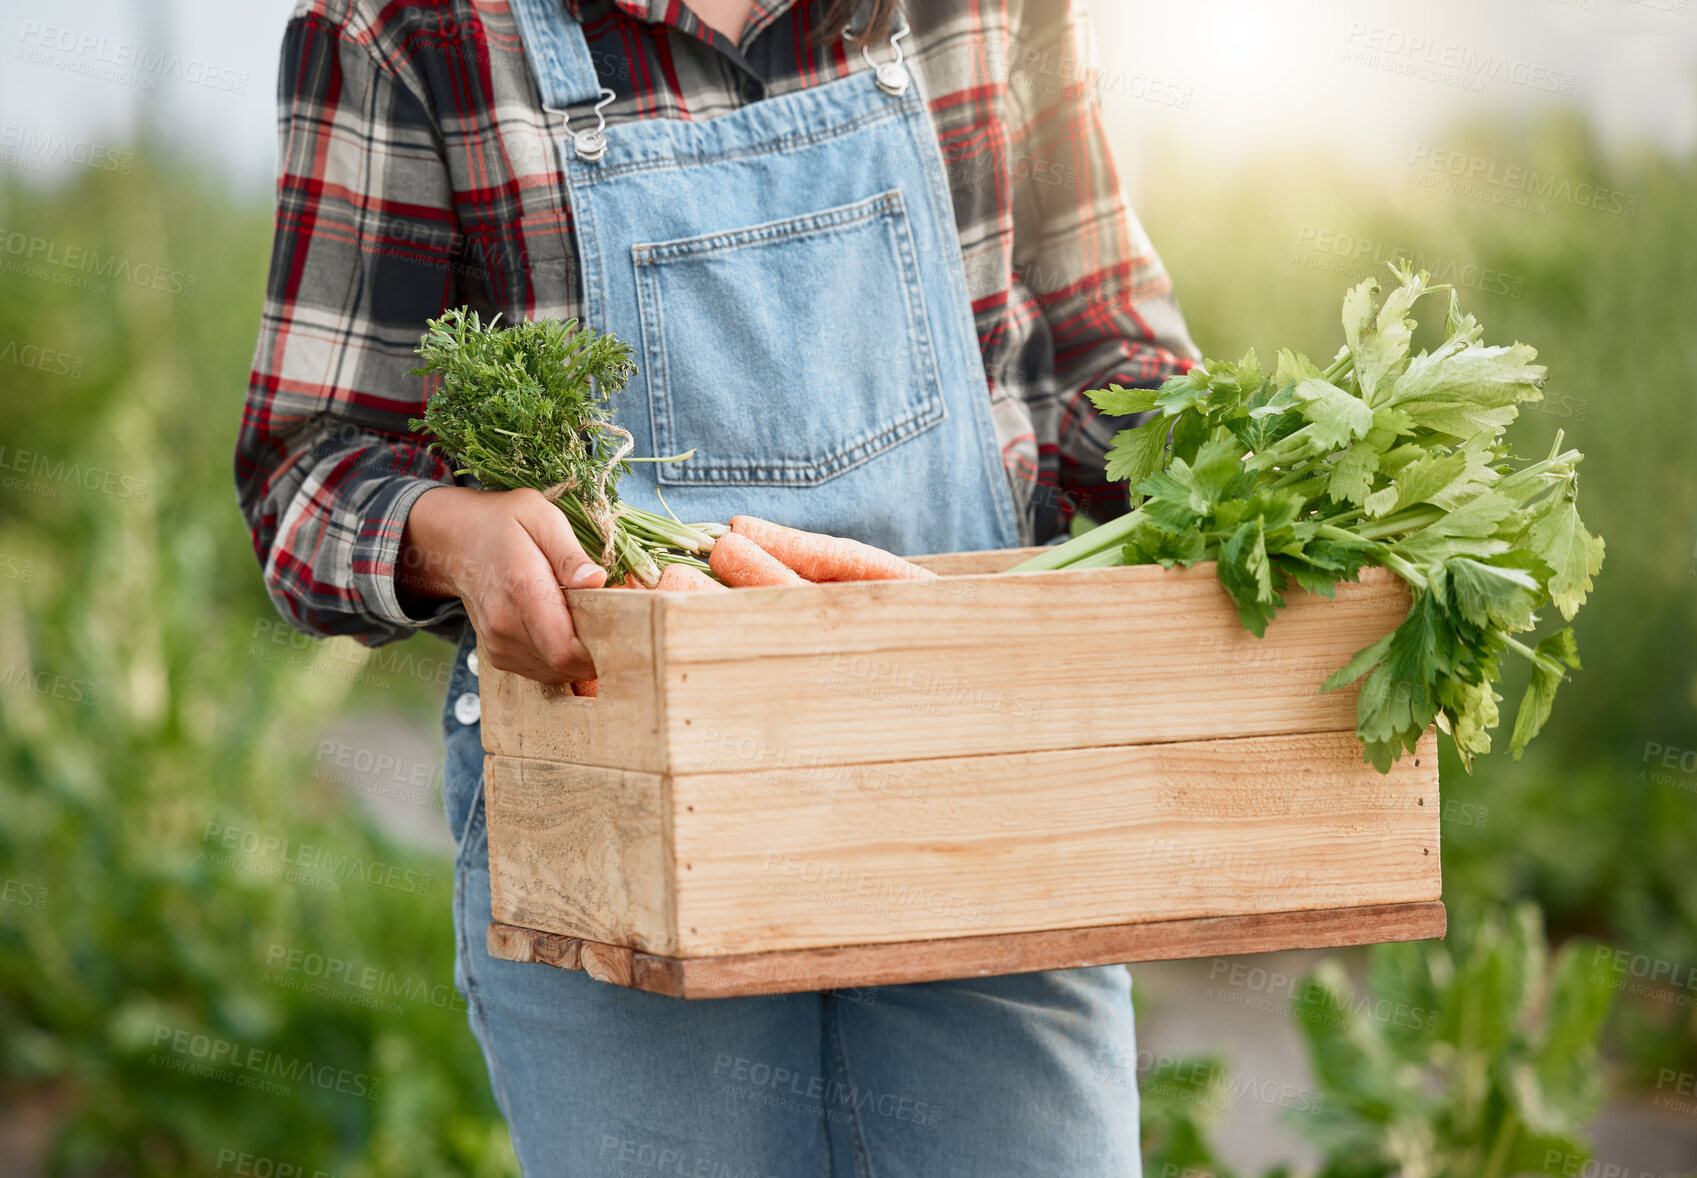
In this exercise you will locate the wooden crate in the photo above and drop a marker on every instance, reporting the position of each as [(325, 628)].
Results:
[(864, 784)]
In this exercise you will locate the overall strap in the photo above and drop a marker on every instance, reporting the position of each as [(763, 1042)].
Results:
[(559, 55)]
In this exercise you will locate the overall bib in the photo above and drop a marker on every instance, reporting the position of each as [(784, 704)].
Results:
[(789, 276), (790, 279)]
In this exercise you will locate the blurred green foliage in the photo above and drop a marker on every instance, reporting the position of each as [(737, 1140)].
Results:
[(144, 697), (1182, 1102), (1498, 1074), (1476, 1058), (167, 843), (1598, 821)]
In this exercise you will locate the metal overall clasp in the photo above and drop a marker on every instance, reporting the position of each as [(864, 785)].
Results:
[(892, 76), (589, 144)]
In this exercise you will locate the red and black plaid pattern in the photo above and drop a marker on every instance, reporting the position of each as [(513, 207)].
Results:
[(417, 172)]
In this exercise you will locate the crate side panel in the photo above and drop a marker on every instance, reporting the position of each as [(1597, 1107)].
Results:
[(580, 850), (621, 728), (1148, 660), (841, 855)]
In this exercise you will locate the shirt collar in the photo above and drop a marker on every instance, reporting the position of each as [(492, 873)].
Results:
[(681, 17)]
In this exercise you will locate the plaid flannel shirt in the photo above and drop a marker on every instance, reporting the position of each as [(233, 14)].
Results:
[(417, 172)]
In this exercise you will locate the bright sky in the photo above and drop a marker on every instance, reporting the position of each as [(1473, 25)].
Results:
[(1370, 78), (1367, 77)]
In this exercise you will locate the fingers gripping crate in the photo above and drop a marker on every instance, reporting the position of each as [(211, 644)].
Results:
[(865, 784)]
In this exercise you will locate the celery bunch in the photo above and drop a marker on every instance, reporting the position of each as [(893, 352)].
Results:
[(1383, 458)]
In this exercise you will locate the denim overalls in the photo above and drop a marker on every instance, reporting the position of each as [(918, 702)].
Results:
[(790, 278)]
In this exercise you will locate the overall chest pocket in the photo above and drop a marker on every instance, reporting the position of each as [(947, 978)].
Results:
[(788, 352)]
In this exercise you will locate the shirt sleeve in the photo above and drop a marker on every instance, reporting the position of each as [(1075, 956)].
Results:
[(326, 466), (1081, 253)]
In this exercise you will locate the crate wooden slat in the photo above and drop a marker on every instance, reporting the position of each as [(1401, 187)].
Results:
[(857, 966), (836, 674), (773, 859), (985, 773)]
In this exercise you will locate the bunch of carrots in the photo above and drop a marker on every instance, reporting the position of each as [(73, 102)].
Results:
[(757, 552)]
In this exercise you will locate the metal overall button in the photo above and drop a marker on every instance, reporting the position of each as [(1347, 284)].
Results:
[(468, 709), (892, 76), (589, 145), (471, 662)]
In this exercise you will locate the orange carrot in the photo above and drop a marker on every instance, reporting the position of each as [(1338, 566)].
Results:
[(818, 557), (739, 561), (683, 578)]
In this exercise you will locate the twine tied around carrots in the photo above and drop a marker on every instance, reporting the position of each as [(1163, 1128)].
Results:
[(600, 508)]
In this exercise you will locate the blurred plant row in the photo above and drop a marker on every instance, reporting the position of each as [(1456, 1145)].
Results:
[(1475, 1058), (173, 860), (188, 986)]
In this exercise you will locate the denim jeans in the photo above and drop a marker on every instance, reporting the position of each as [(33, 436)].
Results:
[(1004, 1077)]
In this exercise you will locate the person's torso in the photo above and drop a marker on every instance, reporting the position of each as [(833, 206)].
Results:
[(513, 242)]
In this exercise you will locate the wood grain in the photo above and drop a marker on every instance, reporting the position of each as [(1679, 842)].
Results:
[(508, 942), (580, 849), (987, 754), (778, 859), (827, 674), (605, 963), (973, 665), (958, 612), (621, 728), (789, 859), (992, 560), (881, 965)]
